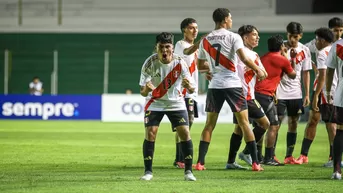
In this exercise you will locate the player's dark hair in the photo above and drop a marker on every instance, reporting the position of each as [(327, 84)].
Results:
[(35, 77), (294, 28), (165, 38), (186, 22), (335, 22), (274, 43), (246, 29), (325, 33), (220, 14)]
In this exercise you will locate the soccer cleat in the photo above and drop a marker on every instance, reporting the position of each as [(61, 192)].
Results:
[(179, 164), (245, 157), (256, 167), (235, 166), (199, 167), (336, 176), (302, 160), (329, 164), (276, 159), (272, 162), (147, 176), (289, 160), (189, 176)]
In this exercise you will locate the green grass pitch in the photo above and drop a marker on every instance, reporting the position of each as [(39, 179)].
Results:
[(87, 156)]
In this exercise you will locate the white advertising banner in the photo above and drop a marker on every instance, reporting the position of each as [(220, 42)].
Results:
[(130, 108)]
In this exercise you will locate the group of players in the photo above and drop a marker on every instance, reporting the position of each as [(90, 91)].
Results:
[(258, 90)]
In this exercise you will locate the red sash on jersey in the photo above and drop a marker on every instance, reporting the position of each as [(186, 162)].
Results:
[(300, 57), (165, 84), (339, 51), (224, 61), (191, 70)]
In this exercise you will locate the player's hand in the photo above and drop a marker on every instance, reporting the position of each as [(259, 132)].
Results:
[(306, 101), (185, 83), (284, 50), (149, 86), (209, 76), (293, 53), (329, 98), (261, 74), (315, 103)]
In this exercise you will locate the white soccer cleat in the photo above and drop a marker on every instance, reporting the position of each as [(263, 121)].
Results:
[(189, 176), (328, 164), (246, 158), (147, 176), (235, 166), (336, 176)]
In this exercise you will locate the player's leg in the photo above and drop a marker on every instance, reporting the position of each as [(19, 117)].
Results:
[(338, 145), (281, 112), (152, 121), (179, 120), (235, 143), (238, 105), (328, 115), (214, 103), (261, 125)]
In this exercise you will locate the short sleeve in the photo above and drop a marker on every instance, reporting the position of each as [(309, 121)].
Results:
[(331, 60), (312, 46), (237, 42), (31, 85), (321, 60), (307, 65), (179, 47), (146, 72)]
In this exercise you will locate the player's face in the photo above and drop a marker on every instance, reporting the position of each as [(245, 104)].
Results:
[(36, 80), (319, 43), (191, 32), (293, 39), (228, 21), (165, 52), (251, 40), (337, 32)]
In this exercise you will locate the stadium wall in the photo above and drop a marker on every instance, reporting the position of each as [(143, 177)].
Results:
[(81, 59)]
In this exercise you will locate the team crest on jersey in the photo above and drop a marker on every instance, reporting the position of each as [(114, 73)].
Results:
[(176, 73)]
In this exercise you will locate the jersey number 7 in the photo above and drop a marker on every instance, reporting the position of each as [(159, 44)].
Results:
[(219, 47)]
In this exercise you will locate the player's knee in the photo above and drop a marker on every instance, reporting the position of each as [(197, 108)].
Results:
[(183, 132), (151, 134), (237, 130)]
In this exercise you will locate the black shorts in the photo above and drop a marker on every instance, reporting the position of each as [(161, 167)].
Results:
[(294, 107), (192, 107), (268, 106), (233, 96), (254, 109), (339, 115), (176, 118), (328, 113)]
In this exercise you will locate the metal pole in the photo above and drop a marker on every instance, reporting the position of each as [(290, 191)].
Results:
[(106, 67), (55, 71), (52, 80), (59, 10), (6, 72)]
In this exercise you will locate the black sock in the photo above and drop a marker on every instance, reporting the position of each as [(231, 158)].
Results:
[(259, 152), (305, 146), (246, 150), (235, 143), (178, 152), (253, 151), (273, 150), (331, 152), (190, 124), (187, 151), (203, 147), (291, 141), (337, 151), (268, 153), (148, 154)]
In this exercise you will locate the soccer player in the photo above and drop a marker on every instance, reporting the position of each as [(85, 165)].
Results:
[(276, 65), (289, 92), (189, 28), (334, 63), (162, 78), (324, 39), (221, 49), (36, 87), (250, 38)]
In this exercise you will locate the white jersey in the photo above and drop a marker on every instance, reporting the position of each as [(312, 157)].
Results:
[(312, 46), (37, 87), (219, 49), (247, 75), (192, 65), (167, 79), (335, 60), (291, 88)]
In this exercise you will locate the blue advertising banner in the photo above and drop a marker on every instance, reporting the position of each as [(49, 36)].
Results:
[(48, 107)]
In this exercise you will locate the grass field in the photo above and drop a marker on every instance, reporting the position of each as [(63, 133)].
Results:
[(70, 156)]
